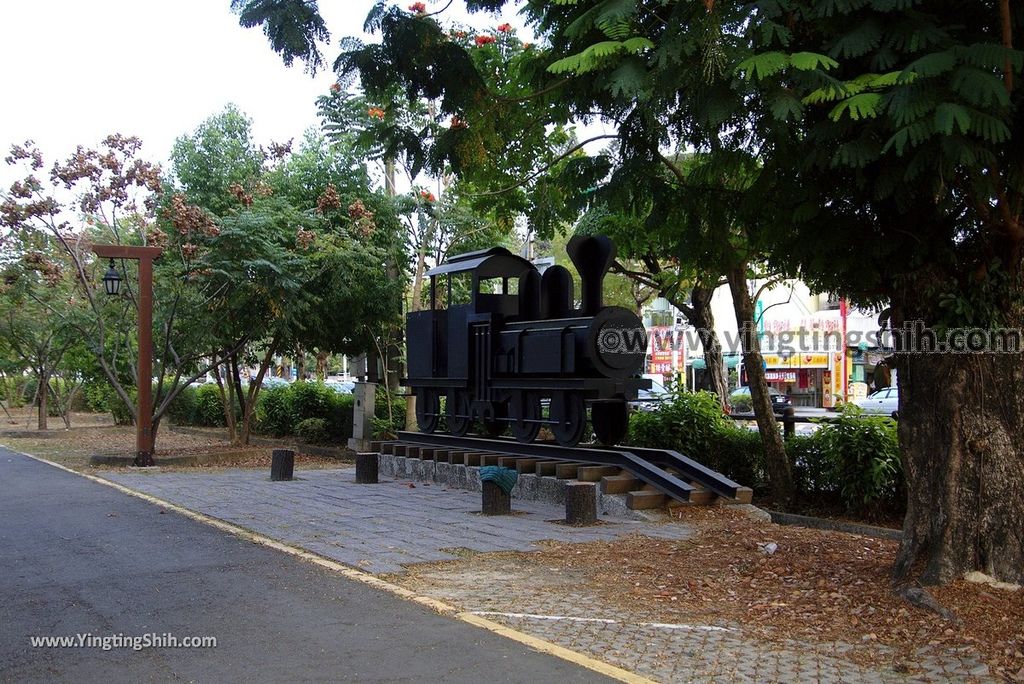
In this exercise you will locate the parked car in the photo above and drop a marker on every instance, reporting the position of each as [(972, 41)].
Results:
[(650, 399), (885, 401), (271, 381), (741, 401), (341, 387)]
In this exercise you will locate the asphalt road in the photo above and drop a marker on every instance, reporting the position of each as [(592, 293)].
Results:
[(77, 557)]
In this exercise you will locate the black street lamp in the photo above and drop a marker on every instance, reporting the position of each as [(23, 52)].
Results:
[(112, 280)]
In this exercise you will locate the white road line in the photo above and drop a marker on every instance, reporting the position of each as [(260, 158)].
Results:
[(606, 621)]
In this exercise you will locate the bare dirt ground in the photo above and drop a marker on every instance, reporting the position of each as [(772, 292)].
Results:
[(27, 418), (814, 587), (98, 436)]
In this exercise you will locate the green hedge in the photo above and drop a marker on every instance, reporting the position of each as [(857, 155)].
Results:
[(862, 459), (692, 423), (312, 431), (853, 457), (282, 409), (274, 411)]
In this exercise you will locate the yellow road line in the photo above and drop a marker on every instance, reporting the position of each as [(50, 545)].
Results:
[(440, 607)]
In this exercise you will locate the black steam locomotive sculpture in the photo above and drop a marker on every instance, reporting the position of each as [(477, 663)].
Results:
[(500, 339)]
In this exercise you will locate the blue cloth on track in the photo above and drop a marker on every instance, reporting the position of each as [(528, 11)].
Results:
[(503, 477)]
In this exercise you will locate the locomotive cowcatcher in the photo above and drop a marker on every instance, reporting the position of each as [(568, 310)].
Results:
[(500, 339)]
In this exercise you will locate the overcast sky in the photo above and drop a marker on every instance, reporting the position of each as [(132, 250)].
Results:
[(74, 71)]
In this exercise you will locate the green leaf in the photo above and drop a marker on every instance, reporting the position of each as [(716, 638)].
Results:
[(863, 106), (948, 115), (933, 64), (829, 93), (629, 79), (989, 127), (637, 44), (979, 87), (991, 56), (808, 61), (860, 41), (763, 65), (786, 106)]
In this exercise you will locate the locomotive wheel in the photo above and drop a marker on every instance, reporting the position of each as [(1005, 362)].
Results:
[(611, 421), (459, 420), (524, 408), (428, 409), (496, 427), (569, 411)]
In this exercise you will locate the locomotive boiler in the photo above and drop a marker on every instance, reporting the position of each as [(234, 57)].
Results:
[(507, 347)]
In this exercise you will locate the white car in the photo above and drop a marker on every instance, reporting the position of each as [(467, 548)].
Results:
[(885, 401)]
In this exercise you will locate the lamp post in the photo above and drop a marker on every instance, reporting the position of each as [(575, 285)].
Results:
[(112, 286)]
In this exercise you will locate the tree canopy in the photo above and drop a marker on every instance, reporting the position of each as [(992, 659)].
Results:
[(867, 146)]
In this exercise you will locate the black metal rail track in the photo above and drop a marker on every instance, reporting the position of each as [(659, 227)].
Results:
[(647, 465)]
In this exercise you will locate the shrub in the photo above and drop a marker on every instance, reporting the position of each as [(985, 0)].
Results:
[(99, 396), (183, 408), (280, 409), (312, 431), (209, 407), (12, 390), (738, 454), (311, 400), (382, 425), (855, 456), (812, 469), (274, 411), (864, 459), (340, 423), (689, 422), (123, 415)]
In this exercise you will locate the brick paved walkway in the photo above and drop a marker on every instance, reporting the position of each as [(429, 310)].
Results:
[(377, 528), (381, 528)]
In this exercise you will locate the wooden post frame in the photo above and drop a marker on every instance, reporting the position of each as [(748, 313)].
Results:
[(144, 408)]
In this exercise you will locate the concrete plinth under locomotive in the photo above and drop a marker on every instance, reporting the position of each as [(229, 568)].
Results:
[(507, 347)]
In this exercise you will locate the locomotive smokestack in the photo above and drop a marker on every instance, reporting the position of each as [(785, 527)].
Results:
[(592, 256)]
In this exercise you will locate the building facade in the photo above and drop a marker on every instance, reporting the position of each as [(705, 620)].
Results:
[(816, 349)]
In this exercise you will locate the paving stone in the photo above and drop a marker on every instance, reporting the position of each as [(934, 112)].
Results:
[(383, 527)]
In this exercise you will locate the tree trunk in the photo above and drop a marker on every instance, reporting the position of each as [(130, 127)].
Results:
[(961, 417), (229, 412), (414, 305), (391, 346), (704, 320), (780, 474), (321, 365), (249, 406), (154, 427), (236, 379), (372, 367), (43, 395), (300, 363)]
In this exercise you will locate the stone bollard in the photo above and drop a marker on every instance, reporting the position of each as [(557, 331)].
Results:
[(580, 503), (367, 465), (788, 422), (282, 464), (495, 500)]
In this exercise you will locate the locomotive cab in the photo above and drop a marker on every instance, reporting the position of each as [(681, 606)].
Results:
[(481, 286)]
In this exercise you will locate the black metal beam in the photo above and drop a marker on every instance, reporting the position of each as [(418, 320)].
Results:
[(710, 479)]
